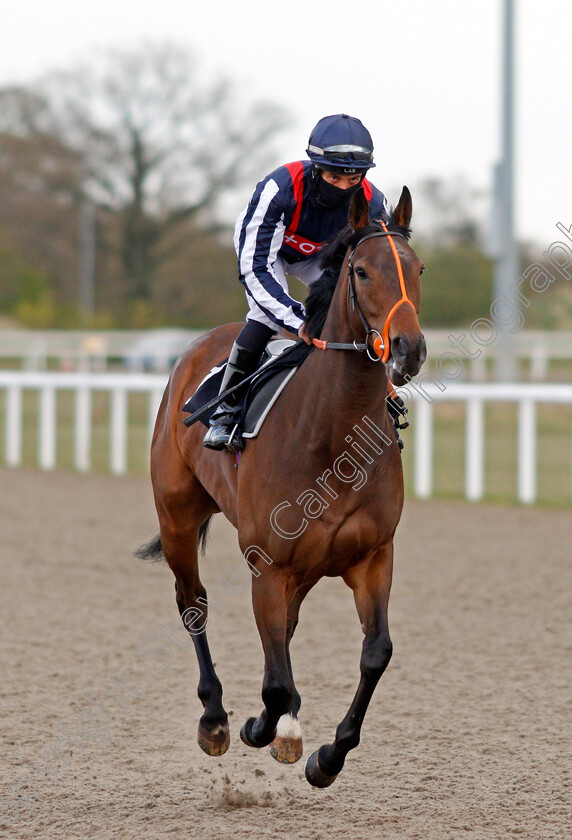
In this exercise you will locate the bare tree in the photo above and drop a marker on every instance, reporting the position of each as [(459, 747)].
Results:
[(156, 144), (40, 181), (161, 144)]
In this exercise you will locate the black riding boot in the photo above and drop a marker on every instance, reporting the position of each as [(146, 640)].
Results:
[(241, 363)]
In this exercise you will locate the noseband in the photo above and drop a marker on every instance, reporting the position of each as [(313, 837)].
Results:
[(381, 344)]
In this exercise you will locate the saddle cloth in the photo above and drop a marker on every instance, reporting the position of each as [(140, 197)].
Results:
[(262, 392)]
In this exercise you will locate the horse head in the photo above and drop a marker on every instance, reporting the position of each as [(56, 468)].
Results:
[(384, 284)]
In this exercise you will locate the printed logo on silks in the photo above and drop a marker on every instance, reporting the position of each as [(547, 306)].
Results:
[(298, 243)]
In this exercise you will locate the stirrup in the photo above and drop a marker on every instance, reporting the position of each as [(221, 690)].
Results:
[(220, 428), (222, 435), (236, 441)]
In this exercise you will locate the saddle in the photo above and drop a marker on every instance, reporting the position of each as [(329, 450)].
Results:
[(272, 376)]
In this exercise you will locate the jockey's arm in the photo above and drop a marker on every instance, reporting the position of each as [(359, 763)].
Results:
[(259, 235)]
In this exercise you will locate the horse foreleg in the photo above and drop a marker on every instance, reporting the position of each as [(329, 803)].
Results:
[(287, 746), (270, 602), (371, 584)]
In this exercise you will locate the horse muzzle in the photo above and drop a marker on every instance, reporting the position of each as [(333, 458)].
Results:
[(407, 355)]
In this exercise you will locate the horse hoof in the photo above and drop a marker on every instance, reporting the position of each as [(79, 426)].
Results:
[(287, 745), (247, 737), (246, 734), (286, 750), (214, 742), (315, 775)]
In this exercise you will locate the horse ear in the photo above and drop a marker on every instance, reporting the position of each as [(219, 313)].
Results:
[(359, 210), (404, 209)]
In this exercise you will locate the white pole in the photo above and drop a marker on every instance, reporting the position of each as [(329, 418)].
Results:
[(526, 451), (47, 428), (118, 458), (82, 430), (506, 271), (474, 451), (14, 426)]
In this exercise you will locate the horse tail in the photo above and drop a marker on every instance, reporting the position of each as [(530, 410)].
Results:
[(152, 552), (203, 534)]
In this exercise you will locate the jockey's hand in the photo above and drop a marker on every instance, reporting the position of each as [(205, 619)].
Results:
[(304, 335)]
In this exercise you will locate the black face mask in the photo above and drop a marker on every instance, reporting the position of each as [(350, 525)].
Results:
[(332, 197)]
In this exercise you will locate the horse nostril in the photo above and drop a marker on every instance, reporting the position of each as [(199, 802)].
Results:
[(399, 348)]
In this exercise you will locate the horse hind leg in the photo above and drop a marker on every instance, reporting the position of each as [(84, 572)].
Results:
[(181, 552)]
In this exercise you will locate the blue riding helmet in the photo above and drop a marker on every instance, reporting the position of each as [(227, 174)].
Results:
[(341, 142)]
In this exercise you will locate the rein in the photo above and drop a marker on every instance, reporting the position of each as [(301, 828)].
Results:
[(381, 344)]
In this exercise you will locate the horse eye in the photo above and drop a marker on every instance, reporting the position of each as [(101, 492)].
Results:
[(361, 274)]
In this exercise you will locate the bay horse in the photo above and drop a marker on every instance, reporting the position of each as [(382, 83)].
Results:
[(304, 503)]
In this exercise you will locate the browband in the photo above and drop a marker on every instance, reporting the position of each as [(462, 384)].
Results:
[(372, 236)]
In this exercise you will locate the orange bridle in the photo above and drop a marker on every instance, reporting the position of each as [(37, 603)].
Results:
[(381, 344), (383, 351)]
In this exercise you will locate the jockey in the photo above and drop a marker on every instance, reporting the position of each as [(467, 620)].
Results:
[(292, 213)]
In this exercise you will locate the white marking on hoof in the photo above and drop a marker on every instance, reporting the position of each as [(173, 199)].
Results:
[(289, 727), (287, 746)]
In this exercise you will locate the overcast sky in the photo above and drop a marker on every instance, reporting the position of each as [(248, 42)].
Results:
[(423, 76)]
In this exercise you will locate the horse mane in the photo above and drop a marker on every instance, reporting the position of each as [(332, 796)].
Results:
[(332, 257)]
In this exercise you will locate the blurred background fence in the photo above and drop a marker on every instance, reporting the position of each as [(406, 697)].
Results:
[(91, 401), (541, 354)]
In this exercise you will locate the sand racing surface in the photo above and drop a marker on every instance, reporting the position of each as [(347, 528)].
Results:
[(467, 736)]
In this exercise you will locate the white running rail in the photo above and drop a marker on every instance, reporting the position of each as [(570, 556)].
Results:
[(425, 395), (475, 395), (83, 385)]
